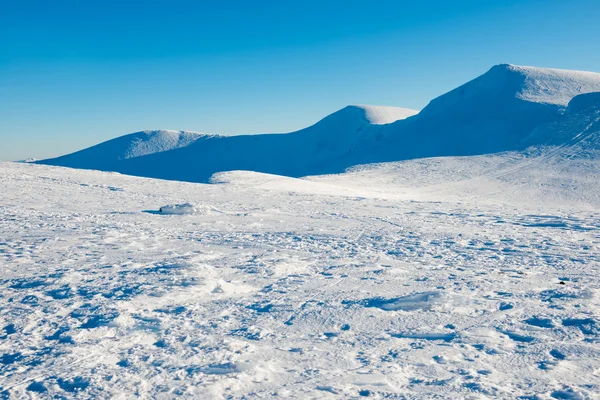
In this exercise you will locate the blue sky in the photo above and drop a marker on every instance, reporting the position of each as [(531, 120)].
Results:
[(76, 73)]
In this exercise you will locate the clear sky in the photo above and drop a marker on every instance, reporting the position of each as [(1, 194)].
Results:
[(76, 73)]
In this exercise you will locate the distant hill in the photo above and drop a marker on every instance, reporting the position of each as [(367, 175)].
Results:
[(106, 156), (195, 157), (508, 108)]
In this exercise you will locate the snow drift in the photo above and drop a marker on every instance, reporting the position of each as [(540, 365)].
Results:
[(498, 111)]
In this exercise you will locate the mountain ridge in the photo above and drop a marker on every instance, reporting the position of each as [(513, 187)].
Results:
[(494, 112)]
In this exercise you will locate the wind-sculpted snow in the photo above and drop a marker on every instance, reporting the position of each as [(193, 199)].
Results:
[(553, 86), (577, 131), (492, 113), (451, 277)]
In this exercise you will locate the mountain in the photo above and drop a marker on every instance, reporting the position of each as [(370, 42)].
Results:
[(497, 111), (492, 113), (198, 157), (107, 155)]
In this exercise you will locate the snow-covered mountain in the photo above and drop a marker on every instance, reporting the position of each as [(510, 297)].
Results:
[(196, 158), (492, 113), (498, 111), (106, 155)]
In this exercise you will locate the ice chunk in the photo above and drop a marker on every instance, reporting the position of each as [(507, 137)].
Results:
[(179, 209)]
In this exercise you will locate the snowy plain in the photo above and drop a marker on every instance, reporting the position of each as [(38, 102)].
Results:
[(386, 282)]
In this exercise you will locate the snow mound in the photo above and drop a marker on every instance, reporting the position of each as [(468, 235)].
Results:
[(361, 114), (583, 102), (278, 183), (178, 209)]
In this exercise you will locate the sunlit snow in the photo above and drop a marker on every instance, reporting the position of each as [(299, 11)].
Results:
[(473, 275)]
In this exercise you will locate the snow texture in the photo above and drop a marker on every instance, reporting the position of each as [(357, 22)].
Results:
[(454, 277)]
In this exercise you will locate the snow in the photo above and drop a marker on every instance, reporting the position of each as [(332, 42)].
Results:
[(178, 209), (381, 115), (150, 142), (425, 278), (554, 86), (578, 129), (195, 158), (493, 113), (583, 102), (106, 155), (464, 268)]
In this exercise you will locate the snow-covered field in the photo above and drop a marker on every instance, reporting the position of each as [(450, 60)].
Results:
[(473, 277)]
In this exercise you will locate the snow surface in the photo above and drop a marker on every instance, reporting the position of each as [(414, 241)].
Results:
[(381, 115), (554, 86), (455, 277), (492, 113), (578, 129)]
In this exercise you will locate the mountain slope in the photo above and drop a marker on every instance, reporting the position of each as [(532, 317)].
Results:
[(577, 131), (106, 155), (493, 113), (489, 114), (295, 154)]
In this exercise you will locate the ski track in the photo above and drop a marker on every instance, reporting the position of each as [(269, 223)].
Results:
[(284, 294)]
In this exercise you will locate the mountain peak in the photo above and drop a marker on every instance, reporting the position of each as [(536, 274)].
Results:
[(360, 114), (381, 115), (542, 85)]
